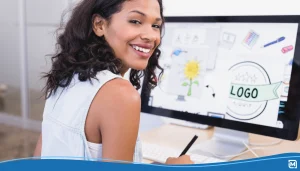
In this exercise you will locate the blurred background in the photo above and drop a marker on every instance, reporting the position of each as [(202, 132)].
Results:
[(27, 35), (23, 48)]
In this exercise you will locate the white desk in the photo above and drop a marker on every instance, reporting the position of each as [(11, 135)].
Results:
[(178, 137)]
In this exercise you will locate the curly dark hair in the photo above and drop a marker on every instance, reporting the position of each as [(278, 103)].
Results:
[(80, 51)]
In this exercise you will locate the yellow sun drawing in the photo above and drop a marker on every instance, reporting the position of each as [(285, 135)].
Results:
[(192, 69)]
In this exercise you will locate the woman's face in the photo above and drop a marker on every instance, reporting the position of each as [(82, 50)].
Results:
[(134, 32)]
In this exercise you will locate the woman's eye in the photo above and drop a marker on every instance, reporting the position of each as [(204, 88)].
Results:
[(157, 26), (135, 22)]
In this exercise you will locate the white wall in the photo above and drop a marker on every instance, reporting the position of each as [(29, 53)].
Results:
[(9, 48), (43, 18), (230, 7)]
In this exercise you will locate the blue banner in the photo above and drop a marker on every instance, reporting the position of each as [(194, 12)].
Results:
[(280, 162)]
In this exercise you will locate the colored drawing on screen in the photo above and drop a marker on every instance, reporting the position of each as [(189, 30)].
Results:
[(184, 72), (250, 90), (191, 71), (250, 39)]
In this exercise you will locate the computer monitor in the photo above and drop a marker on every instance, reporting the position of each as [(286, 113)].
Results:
[(240, 74)]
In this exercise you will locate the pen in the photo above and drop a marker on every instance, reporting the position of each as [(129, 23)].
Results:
[(271, 43), (189, 145)]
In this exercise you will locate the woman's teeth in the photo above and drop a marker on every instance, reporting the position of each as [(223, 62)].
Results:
[(141, 49)]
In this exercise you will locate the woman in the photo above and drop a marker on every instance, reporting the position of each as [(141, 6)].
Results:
[(91, 111)]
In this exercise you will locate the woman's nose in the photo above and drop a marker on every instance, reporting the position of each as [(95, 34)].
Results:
[(150, 35)]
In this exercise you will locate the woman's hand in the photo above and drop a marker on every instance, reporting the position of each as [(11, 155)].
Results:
[(185, 159)]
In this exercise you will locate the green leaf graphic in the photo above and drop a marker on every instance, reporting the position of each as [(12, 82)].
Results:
[(185, 84), (196, 82)]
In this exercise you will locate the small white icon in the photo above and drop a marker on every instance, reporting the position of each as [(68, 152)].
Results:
[(228, 40), (293, 164), (279, 124)]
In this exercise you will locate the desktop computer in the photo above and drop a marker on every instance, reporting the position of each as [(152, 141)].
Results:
[(240, 74)]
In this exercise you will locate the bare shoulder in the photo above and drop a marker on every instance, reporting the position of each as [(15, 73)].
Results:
[(120, 90), (116, 111), (116, 99)]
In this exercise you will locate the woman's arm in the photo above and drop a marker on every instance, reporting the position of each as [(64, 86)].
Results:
[(117, 107), (38, 148)]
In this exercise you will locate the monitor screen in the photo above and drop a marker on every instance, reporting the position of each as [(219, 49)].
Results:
[(235, 71)]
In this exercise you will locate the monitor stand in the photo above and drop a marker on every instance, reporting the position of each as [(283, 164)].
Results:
[(225, 142)]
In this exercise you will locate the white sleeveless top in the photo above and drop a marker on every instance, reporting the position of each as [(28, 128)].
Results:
[(64, 121)]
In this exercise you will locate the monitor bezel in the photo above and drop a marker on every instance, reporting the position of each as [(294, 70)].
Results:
[(293, 103)]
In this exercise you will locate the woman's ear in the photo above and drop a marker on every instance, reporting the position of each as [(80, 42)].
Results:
[(98, 25)]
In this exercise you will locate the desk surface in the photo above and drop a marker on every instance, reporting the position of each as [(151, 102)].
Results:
[(175, 136)]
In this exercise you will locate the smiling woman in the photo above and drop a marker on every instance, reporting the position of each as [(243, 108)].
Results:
[(91, 111), (140, 35)]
